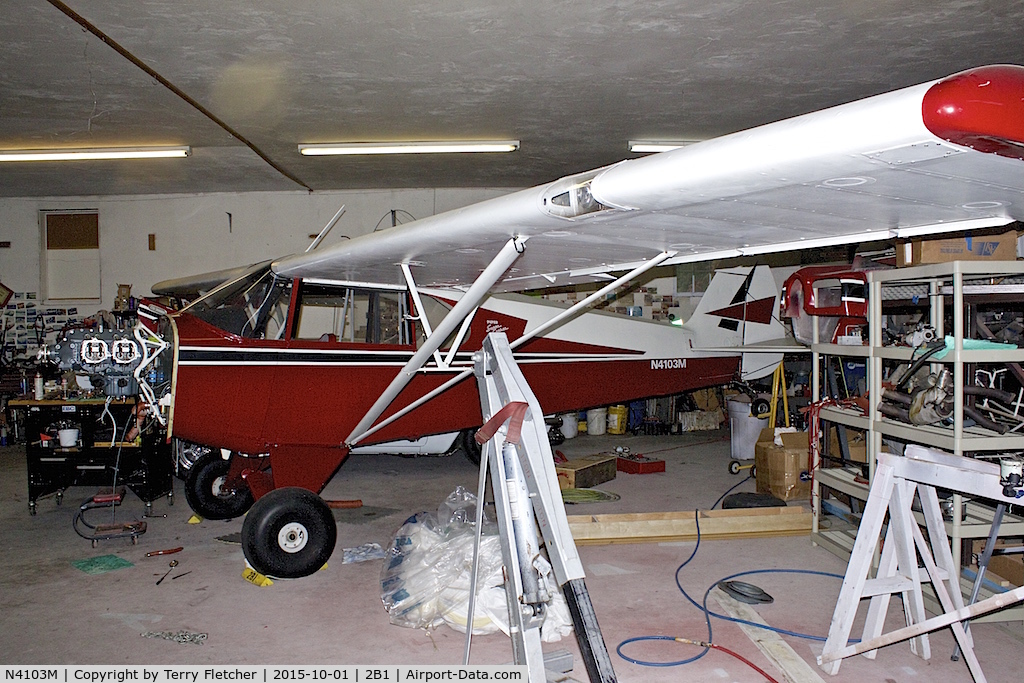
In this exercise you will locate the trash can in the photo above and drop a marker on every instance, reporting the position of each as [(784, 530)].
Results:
[(745, 428)]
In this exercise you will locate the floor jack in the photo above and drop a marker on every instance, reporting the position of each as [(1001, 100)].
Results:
[(526, 496), (106, 499)]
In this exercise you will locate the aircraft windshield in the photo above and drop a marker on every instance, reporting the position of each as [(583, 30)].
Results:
[(254, 306)]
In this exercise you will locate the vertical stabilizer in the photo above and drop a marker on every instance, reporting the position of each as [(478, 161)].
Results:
[(740, 307)]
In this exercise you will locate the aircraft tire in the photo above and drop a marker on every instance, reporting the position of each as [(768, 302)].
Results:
[(203, 492), (761, 407), (469, 447), (289, 533)]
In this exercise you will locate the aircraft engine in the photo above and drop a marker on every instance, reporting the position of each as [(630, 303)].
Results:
[(108, 357)]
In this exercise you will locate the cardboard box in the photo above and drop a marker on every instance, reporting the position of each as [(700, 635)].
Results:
[(1008, 567), (762, 463), (590, 470), (856, 442), (786, 463), (1002, 247)]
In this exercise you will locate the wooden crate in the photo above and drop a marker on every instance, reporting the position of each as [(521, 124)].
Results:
[(582, 473)]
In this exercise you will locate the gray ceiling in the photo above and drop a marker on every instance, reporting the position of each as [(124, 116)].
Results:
[(574, 81)]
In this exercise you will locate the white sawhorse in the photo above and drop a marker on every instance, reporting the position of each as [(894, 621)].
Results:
[(892, 490)]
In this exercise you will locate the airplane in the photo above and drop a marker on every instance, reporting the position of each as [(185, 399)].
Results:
[(296, 361)]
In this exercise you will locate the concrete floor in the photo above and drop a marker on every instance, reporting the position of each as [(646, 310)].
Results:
[(52, 613)]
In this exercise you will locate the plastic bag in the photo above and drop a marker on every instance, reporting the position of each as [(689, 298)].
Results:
[(425, 579)]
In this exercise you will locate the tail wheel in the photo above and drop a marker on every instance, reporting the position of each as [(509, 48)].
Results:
[(761, 407), (206, 493), (289, 533), (734, 467)]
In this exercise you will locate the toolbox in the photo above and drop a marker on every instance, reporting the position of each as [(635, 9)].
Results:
[(638, 464)]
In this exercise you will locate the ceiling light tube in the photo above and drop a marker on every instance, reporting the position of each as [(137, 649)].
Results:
[(646, 146), (817, 243), (954, 226), (440, 147), (94, 153)]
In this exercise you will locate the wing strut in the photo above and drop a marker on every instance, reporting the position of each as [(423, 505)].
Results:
[(472, 298), (536, 332), (420, 314)]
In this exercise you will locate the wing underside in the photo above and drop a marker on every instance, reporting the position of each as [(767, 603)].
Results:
[(872, 169)]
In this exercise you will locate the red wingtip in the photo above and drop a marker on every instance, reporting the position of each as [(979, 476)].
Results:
[(980, 108)]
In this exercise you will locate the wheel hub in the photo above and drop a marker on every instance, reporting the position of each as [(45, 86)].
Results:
[(292, 537)]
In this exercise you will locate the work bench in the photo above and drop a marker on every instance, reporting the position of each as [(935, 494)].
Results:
[(101, 455)]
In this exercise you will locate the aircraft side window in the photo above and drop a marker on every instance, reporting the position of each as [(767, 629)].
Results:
[(255, 306), (436, 311), (345, 314)]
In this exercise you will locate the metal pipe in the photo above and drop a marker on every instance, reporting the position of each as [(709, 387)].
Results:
[(472, 298), (575, 308), (327, 228), (544, 327)]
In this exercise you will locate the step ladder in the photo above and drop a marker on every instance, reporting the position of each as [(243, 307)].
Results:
[(518, 456), (893, 488)]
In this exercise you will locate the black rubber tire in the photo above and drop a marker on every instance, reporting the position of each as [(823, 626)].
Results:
[(202, 490), (761, 407), (289, 516), (469, 447), (734, 467)]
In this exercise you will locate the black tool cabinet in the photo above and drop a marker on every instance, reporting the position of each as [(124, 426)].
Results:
[(144, 464)]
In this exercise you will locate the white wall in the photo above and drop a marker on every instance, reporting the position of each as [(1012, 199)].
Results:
[(192, 231)]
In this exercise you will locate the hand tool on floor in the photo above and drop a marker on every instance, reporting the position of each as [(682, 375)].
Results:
[(172, 565)]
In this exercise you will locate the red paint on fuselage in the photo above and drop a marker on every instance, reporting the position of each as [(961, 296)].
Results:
[(251, 396)]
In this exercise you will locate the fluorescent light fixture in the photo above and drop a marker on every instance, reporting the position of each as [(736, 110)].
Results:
[(954, 226), (94, 153), (645, 146), (409, 147)]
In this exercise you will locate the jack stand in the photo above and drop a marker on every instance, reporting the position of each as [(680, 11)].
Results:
[(107, 498), (892, 491), (526, 494)]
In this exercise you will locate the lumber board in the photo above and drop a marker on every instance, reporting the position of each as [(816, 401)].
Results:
[(660, 527), (792, 666)]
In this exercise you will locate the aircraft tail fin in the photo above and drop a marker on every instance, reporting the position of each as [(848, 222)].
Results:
[(740, 308)]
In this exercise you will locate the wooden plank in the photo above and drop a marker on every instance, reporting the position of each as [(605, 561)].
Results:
[(660, 527), (793, 667)]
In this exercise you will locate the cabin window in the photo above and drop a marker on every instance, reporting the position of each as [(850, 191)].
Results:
[(255, 306), (332, 312)]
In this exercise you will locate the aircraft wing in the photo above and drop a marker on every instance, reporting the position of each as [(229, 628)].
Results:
[(192, 286), (941, 156)]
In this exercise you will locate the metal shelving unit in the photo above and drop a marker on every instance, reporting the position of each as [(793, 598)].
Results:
[(937, 283)]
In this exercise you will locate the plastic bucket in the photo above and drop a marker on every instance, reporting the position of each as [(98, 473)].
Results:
[(617, 420), (569, 428), (745, 428), (597, 421), (67, 438)]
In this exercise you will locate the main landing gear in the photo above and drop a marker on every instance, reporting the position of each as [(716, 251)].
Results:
[(207, 493), (289, 533)]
